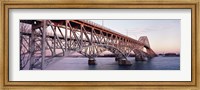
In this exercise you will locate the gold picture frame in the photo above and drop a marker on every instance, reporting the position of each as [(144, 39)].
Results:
[(104, 4)]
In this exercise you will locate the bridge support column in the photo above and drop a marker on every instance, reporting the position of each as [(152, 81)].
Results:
[(124, 62), (140, 58), (91, 61), (117, 59)]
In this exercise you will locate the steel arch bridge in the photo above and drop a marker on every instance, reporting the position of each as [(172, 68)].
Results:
[(63, 37)]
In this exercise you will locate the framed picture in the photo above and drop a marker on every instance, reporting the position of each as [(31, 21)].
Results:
[(101, 44)]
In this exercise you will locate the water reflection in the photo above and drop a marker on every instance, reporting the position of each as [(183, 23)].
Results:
[(157, 63)]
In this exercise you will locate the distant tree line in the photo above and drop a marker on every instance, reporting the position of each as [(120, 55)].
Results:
[(113, 55), (170, 55), (105, 55)]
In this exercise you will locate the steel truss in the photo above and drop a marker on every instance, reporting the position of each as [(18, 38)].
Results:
[(63, 37)]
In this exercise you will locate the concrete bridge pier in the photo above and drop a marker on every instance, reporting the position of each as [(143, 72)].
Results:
[(124, 62), (140, 58), (92, 61), (117, 59)]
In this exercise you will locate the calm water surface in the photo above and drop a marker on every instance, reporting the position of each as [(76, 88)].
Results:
[(108, 63)]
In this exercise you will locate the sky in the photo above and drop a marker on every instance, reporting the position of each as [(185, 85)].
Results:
[(164, 35)]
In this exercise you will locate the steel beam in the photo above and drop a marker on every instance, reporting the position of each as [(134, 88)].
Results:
[(43, 44), (66, 37)]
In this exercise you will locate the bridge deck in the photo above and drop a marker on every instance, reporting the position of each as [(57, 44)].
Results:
[(90, 24)]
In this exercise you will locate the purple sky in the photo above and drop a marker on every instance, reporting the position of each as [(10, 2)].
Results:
[(164, 35)]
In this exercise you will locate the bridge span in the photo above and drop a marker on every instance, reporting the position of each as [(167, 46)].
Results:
[(41, 40)]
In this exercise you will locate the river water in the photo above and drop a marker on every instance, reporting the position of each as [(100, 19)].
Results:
[(108, 63)]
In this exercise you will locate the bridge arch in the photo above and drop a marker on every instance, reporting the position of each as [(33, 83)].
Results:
[(140, 53), (119, 55)]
